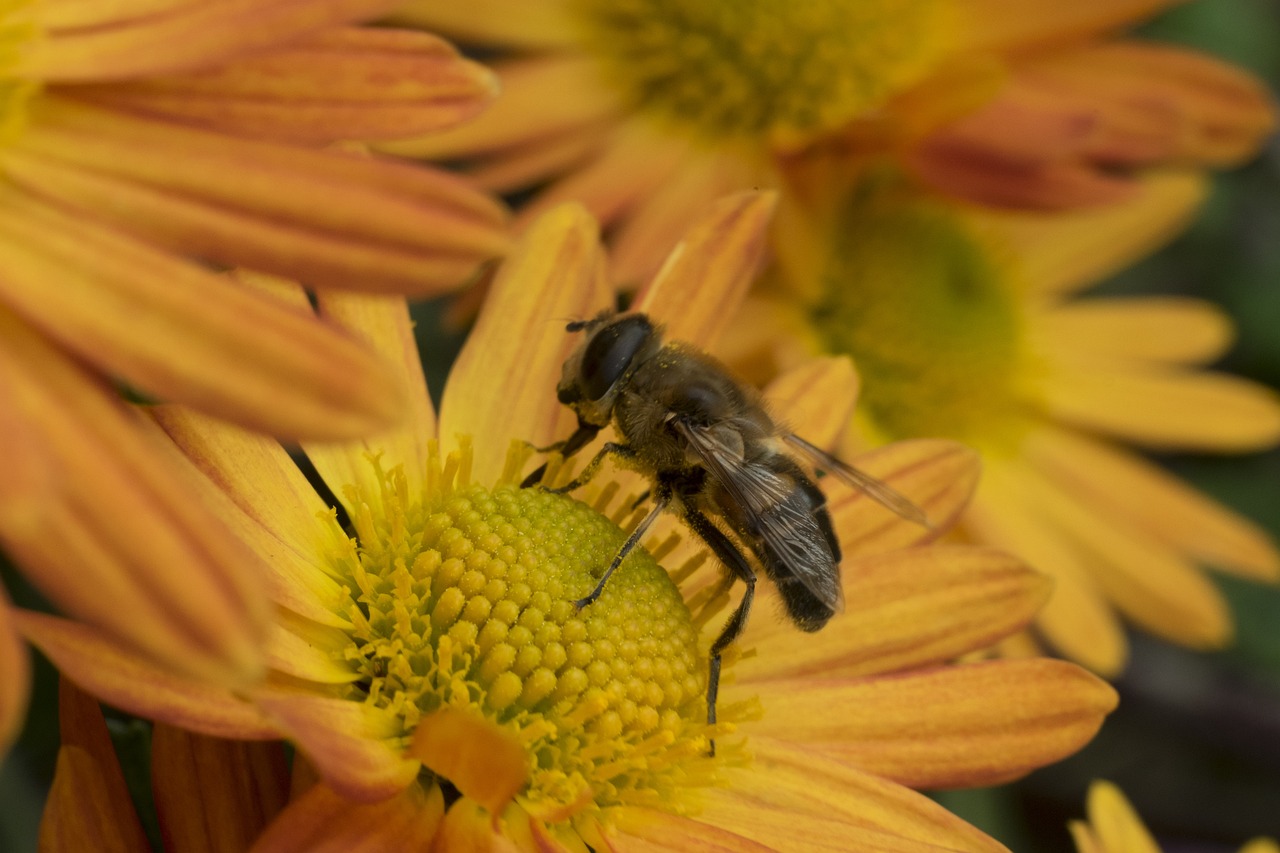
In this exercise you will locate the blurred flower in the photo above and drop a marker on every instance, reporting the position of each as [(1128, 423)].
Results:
[(644, 111), (445, 637), (966, 324), (1114, 827)]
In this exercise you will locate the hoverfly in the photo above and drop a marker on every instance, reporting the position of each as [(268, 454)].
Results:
[(714, 455)]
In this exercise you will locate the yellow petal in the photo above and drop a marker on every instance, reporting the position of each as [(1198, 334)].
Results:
[(1115, 823), (1124, 486), (120, 678), (963, 726), (816, 400), (904, 609), (212, 794), (350, 743), (187, 35), (89, 807), (484, 761), (937, 476), (1260, 845), (512, 23), (640, 830), (322, 820), (15, 674), (1013, 25), (503, 384), (1085, 840), (1171, 329)]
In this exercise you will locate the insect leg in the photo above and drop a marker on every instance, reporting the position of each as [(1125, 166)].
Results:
[(623, 450), (581, 437), (626, 548), (732, 557)]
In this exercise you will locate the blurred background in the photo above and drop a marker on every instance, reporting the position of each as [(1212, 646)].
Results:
[(1195, 743)]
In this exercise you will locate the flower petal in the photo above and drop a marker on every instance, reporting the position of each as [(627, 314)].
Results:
[(936, 475), (89, 807), (484, 761), (120, 678), (905, 609), (1115, 823), (1010, 24), (322, 821), (213, 794), (333, 86), (640, 830), (817, 398), (512, 23), (469, 828), (15, 674), (979, 724), (351, 744), (1170, 329), (706, 276), (502, 386)]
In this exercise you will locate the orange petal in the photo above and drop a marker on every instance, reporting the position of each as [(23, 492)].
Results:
[(937, 476), (1014, 25), (350, 744), (812, 787), (15, 674), (330, 87), (213, 794), (107, 45), (639, 830), (816, 399), (1166, 408), (120, 678), (1114, 822), (502, 386), (1167, 329), (89, 807), (322, 821), (484, 761), (469, 828), (963, 726), (905, 609)]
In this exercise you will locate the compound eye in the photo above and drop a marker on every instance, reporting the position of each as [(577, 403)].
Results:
[(610, 351)]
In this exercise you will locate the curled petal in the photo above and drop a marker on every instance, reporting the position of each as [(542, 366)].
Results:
[(484, 761), (322, 821)]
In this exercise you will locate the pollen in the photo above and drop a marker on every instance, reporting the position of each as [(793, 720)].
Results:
[(928, 307), (464, 597), (751, 69)]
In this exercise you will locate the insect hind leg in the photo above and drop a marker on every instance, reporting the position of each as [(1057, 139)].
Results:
[(733, 559)]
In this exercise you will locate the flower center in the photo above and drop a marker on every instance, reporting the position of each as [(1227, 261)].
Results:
[(756, 68), (928, 309), (464, 596)]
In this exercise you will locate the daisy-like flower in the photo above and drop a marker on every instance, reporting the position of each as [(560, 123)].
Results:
[(645, 110), (435, 672), (1114, 827), (969, 325)]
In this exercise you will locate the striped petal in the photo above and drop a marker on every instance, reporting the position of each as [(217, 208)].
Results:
[(323, 820), (904, 609), (213, 794), (1002, 719), (502, 387), (816, 399), (1167, 329)]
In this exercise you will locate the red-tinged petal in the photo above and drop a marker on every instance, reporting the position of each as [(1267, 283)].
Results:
[(322, 821), (816, 400), (214, 795), (904, 609), (980, 724), (89, 807), (1018, 24), (352, 745), (360, 83), (469, 828), (811, 786), (554, 274), (937, 476), (187, 35), (122, 679), (706, 276), (484, 761), (15, 674)]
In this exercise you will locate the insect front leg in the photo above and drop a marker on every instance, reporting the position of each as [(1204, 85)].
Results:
[(581, 437), (593, 467), (733, 559)]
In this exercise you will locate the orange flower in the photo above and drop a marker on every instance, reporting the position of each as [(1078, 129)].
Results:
[(444, 634), (646, 110)]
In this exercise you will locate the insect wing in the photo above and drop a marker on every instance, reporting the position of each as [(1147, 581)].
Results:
[(766, 498), (877, 490)]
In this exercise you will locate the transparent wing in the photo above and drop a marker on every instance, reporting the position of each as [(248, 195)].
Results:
[(767, 499), (877, 490)]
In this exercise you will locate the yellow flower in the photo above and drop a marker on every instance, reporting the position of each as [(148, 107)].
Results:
[(1114, 827), (967, 324), (644, 111), (437, 677)]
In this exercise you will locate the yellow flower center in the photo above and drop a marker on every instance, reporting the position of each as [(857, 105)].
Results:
[(928, 308), (758, 68), (464, 597)]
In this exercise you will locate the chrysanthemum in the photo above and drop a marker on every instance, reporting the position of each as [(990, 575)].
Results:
[(435, 673), (968, 325), (1114, 827), (645, 110)]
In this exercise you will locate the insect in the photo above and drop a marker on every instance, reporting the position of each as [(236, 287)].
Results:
[(717, 460)]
